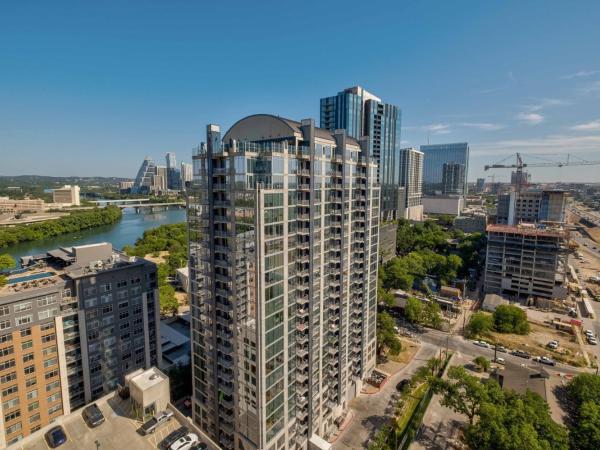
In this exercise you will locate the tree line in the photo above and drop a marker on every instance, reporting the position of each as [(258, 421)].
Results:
[(75, 221)]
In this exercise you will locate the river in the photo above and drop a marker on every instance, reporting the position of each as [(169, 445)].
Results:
[(131, 226)]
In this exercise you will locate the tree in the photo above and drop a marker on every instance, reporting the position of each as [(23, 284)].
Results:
[(432, 315), (514, 422), (386, 334), (583, 388), (510, 319), (480, 323), (433, 365), (464, 393), (483, 363), (6, 262), (413, 310), (168, 302), (385, 297), (585, 432)]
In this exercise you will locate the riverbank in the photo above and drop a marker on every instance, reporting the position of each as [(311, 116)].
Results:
[(124, 232), (76, 221)]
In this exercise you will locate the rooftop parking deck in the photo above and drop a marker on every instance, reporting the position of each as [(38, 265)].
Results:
[(119, 430)]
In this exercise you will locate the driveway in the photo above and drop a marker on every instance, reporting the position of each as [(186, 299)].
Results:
[(372, 411)]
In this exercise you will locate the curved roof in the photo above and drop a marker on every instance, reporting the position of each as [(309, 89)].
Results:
[(261, 127)]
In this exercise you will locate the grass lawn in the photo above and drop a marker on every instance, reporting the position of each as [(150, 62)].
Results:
[(411, 403)]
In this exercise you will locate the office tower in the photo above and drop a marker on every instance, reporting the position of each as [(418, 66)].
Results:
[(71, 326), (68, 195), (411, 179), (361, 113), (520, 179), (186, 174), (435, 156), (173, 174), (453, 179), (531, 206), (159, 180), (283, 221), (526, 260), (145, 177), (479, 186)]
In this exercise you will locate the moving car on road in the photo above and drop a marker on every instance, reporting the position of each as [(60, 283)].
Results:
[(482, 344), (521, 354), (545, 360)]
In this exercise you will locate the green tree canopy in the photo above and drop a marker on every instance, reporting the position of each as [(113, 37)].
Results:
[(413, 311), (480, 323), (483, 363), (585, 432), (386, 335), (510, 319)]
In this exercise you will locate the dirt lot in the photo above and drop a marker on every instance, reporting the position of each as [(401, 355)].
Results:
[(395, 363), (161, 258), (536, 342)]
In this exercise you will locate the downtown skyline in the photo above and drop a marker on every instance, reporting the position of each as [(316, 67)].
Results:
[(120, 82)]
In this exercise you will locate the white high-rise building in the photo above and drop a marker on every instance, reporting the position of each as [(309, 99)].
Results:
[(411, 179), (186, 173), (284, 226), (67, 195)]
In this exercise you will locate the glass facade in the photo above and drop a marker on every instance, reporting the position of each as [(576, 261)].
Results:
[(283, 272), (360, 113), (435, 156)]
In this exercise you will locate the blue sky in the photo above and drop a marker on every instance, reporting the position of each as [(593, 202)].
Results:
[(90, 88)]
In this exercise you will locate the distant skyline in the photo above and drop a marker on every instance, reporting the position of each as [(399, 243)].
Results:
[(90, 89)]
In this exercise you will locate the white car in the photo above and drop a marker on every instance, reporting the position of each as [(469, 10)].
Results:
[(553, 345), (185, 443), (499, 360), (592, 340), (482, 344), (589, 333)]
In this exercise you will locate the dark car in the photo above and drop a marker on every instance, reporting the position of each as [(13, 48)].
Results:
[(55, 436), (521, 354), (92, 416), (172, 437), (402, 385)]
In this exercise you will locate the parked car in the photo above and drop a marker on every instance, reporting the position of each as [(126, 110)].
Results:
[(92, 415), (482, 344), (502, 349), (55, 436), (151, 425), (545, 360), (592, 340), (186, 442), (553, 345), (402, 384), (589, 333), (499, 360), (521, 354), (173, 437)]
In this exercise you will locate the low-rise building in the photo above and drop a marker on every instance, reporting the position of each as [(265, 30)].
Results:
[(492, 301), (14, 206), (442, 204)]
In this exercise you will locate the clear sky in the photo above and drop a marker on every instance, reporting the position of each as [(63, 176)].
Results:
[(90, 88)]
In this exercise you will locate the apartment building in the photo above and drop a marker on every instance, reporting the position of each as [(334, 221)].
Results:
[(16, 206), (283, 221), (411, 179), (72, 324), (67, 195), (526, 260)]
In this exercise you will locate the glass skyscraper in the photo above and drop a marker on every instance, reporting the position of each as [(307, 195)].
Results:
[(283, 237), (361, 113), (449, 155)]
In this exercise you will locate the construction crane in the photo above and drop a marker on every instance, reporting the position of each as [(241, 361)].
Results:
[(519, 165)]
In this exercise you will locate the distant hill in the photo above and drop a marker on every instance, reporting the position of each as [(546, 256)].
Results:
[(45, 182)]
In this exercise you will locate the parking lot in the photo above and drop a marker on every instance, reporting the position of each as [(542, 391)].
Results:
[(119, 431)]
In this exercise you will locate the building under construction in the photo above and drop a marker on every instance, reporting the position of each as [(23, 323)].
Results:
[(526, 260)]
